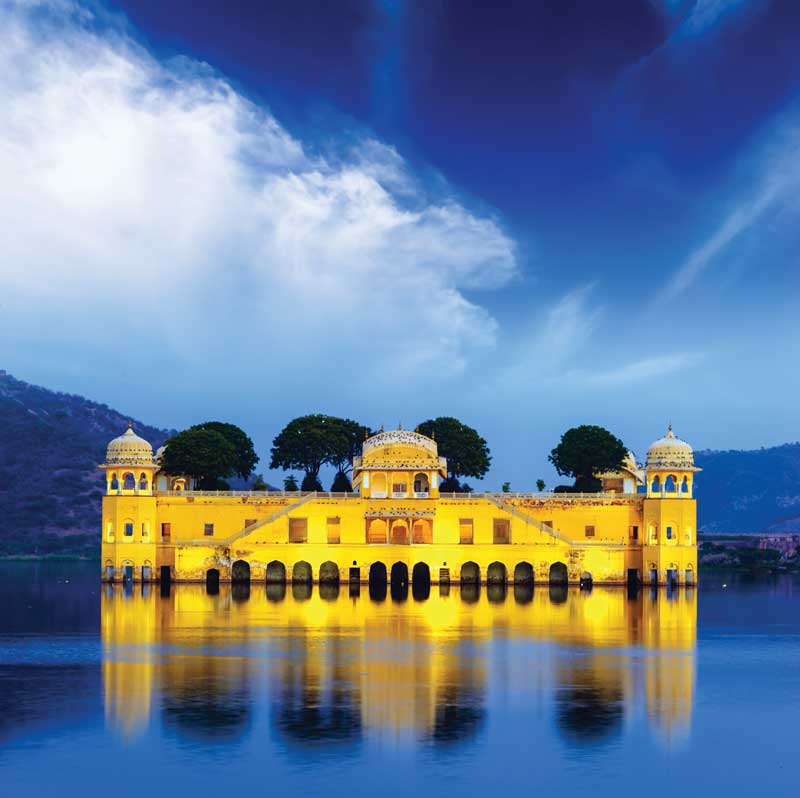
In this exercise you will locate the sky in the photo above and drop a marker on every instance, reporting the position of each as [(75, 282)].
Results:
[(528, 215)]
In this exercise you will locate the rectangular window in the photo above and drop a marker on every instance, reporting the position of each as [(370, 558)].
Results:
[(633, 532), (166, 531), (465, 530), (501, 531), (298, 530), (334, 529), (588, 530), (128, 530), (208, 530), (669, 533)]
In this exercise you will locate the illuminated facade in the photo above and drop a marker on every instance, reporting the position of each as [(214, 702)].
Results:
[(397, 527)]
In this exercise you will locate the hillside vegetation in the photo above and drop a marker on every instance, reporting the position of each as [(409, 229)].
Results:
[(50, 485)]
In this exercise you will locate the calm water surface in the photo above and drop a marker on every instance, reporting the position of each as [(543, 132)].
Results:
[(108, 691)]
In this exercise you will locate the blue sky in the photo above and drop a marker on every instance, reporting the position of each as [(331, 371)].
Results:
[(528, 215)]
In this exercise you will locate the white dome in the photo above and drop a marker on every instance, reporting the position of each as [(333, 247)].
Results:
[(129, 449), (670, 452)]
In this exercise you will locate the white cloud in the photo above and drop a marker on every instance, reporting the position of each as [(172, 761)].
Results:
[(152, 200)]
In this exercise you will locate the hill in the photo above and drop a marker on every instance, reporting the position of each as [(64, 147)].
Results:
[(749, 491), (50, 486)]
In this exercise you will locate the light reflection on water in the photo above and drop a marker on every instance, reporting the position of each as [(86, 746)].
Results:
[(129, 691), (331, 668)]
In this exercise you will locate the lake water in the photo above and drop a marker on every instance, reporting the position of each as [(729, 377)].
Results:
[(106, 691)]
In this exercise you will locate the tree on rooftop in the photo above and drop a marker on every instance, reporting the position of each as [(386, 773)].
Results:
[(586, 451), (205, 455), (304, 444), (466, 451), (246, 457)]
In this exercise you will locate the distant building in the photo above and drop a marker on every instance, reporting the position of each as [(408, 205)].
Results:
[(398, 527)]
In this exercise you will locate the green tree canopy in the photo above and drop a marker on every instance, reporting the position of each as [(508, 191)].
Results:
[(586, 451), (467, 453), (341, 483), (246, 457), (290, 483), (203, 454), (346, 439), (304, 444), (309, 442)]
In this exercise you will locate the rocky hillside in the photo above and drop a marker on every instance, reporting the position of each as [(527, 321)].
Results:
[(50, 486), (749, 491)]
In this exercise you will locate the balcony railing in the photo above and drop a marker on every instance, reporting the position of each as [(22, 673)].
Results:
[(399, 494)]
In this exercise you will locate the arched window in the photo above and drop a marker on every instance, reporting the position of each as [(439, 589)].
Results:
[(656, 486), (670, 486), (128, 482), (669, 533), (685, 485), (114, 482), (142, 481)]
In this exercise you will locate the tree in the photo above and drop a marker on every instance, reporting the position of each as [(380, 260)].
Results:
[(540, 485), (310, 484), (309, 442), (506, 488), (246, 457), (341, 483), (290, 483), (258, 483), (304, 444), (203, 454), (467, 453), (346, 437), (586, 451)]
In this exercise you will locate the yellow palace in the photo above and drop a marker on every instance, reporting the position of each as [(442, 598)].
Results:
[(396, 526)]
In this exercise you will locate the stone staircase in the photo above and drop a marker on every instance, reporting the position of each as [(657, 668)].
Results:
[(506, 507), (253, 527)]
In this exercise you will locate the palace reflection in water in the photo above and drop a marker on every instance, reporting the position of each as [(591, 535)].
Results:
[(323, 667)]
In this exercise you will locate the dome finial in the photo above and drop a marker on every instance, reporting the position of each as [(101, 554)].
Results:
[(670, 433), (400, 423), (130, 424)]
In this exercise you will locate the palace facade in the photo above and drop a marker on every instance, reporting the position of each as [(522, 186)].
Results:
[(397, 527)]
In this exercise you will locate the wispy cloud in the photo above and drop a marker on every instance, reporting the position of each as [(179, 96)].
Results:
[(151, 202), (635, 371), (774, 185)]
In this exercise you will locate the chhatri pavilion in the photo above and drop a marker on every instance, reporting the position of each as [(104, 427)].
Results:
[(396, 526)]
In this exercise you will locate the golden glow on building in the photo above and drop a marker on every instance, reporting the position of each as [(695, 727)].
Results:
[(397, 525)]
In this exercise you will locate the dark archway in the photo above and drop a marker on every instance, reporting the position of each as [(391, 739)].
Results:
[(240, 571), (421, 581), (470, 573), (302, 573), (329, 573), (523, 574), (377, 581), (496, 574), (586, 580), (399, 574), (276, 573), (398, 581), (558, 574), (212, 580)]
